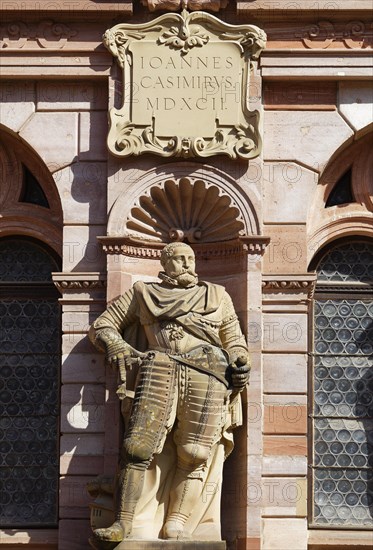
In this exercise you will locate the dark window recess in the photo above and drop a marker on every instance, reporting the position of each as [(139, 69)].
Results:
[(342, 191), (32, 191), (29, 385)]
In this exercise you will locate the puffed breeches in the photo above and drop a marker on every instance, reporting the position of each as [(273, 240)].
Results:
[(172, 395)]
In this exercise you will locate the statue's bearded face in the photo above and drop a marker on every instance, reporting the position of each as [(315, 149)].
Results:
[(181, 266)]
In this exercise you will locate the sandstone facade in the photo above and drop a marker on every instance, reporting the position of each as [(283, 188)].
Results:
[(313, 86)]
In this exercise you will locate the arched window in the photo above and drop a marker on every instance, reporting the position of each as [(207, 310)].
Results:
[(343, 387), (29, 384)]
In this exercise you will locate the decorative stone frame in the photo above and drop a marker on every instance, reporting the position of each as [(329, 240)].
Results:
[(218, 128)]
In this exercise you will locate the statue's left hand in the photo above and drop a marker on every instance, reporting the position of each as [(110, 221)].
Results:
[(240, 376), (239, 369)]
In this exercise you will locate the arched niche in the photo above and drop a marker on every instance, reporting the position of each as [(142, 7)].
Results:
[(157, 178), (204, 207), (343, 200), (29, 201), (188, 202)]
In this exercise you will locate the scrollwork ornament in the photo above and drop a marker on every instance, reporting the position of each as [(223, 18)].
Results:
[(354, 34), (243, 141), (252, 43), (128, 143), (47, 34), (183, 38), (14, 35), (320, 35), (58, 34), (117, 43)]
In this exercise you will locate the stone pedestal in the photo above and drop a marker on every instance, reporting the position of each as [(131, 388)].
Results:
[(164, 545), (170, 545)]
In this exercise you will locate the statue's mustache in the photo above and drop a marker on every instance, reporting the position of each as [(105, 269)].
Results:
[(189, 272)]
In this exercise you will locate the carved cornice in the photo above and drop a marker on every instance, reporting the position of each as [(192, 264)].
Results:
[(127, 246), (255, 244), (191, 5), (46, 34), (283, 9), (73, 9), (83, 285), (65, 282), (303, 284), (352, 35), (321, 34)]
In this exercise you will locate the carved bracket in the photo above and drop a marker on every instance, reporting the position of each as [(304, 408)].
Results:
[(188, 77)]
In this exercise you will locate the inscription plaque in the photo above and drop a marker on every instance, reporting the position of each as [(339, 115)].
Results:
[(185, 87)]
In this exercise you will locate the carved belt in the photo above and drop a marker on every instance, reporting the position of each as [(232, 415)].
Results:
[(208, 359)]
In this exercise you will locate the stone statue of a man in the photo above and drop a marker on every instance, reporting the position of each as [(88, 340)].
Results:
[(196, 359)]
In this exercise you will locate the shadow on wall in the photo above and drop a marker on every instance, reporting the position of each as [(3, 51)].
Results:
[(82, 438)]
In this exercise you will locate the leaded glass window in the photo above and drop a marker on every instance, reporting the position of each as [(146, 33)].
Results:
[(29, 385), (343, 387)]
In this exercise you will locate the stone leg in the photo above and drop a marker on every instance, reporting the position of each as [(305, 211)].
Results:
[(201, 415), (150, 421)]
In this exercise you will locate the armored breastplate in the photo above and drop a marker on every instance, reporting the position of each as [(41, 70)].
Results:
[(171, 337)]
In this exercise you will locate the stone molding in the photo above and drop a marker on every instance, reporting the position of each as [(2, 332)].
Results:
[(44, 539), (46, 34), (322, 34), (351, 35), (291, 284), (71, 8), (278, 8), (254, 245), (76, 282), (191, 5)]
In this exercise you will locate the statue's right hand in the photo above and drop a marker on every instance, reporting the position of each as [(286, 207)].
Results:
[(118, 355)]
